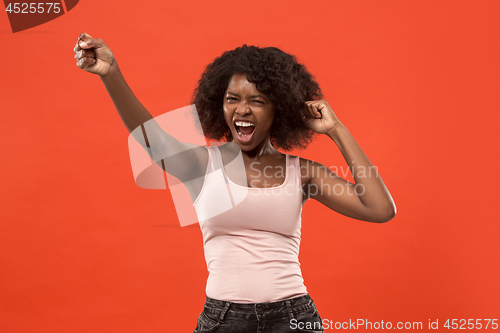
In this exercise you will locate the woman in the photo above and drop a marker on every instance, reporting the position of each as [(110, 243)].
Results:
[(258, 100)]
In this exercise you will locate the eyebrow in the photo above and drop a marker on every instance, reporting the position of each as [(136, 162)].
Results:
[(253, 96)]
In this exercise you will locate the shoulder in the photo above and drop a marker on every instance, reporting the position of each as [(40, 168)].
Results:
[(310, 170), (201, 154)]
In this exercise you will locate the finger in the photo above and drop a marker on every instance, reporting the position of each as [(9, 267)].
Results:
[(305, 111), (317, 111), (82, 39), (312, 111), (85, 63), (316, 107), (84, 36), (88, 54), (92, 43), (87, 43), (309, 111), (84, 54), (77, 47)]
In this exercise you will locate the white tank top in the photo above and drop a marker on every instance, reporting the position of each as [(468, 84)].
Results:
[(252, 248)]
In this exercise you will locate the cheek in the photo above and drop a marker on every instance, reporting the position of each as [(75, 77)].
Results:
[(227, 117), (226, 109), (271, 116)]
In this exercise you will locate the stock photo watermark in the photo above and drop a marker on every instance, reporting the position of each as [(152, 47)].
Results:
[(453, 324), (157, 166), (329, 182), (27, 15)]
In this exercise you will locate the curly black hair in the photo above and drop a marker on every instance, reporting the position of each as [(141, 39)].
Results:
[(276, 74)]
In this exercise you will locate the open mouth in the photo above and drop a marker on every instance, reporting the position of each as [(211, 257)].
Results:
[(245, 130)]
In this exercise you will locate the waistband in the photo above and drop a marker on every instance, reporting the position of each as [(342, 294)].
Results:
[(265, 310)]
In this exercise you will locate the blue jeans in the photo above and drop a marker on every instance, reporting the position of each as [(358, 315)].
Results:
[(297, 314)]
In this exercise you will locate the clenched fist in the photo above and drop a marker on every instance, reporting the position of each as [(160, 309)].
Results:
[(94, 56)]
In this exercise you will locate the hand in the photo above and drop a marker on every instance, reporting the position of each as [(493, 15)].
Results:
[(93, 55), (319, 116)]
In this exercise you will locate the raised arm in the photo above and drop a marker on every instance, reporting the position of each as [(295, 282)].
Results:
[(368, 199), (185, 162)]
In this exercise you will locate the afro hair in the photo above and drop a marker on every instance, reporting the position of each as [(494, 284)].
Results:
[(277, 74)]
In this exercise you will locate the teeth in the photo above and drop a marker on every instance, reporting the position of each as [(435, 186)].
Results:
[(242, 124)]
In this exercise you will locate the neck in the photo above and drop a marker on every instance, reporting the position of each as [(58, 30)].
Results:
[(264, 148)]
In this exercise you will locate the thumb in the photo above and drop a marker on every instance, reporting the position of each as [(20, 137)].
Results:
[(86, 41)]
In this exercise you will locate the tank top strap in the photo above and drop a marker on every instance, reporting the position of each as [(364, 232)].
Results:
[(217, 163), (210, 164), (294, 168), (216, 158)]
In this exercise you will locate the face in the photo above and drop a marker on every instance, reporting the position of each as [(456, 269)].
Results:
[(248, 113)]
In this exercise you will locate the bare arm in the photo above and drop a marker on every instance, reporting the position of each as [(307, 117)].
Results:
[(368, 199), (184, 162)]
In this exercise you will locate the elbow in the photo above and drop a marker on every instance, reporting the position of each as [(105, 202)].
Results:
[(385, 216)]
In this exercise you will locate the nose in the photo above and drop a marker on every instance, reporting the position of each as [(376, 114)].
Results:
[(243, 108)]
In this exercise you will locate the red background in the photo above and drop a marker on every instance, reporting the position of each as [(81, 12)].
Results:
[(82, 248)]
